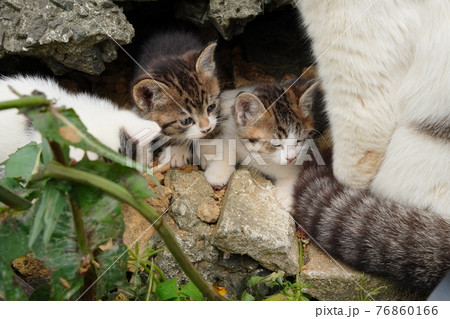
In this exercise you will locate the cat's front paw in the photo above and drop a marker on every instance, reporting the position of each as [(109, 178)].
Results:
[(285, 199), (77, 154), (177, 156), (218, 177)]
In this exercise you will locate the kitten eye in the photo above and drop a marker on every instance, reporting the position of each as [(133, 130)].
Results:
[(275, 145), (187, 121), (211, 108)]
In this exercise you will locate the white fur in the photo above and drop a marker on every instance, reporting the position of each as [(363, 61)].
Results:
[(383, 70), (176, 155), (101, 117)]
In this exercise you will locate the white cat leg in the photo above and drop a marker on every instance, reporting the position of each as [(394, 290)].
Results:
[(219, 170), (176, 155), (416, 171), (284, 192)]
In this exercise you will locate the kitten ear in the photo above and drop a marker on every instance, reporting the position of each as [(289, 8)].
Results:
[(147, 92), (205, 62), (247, 108), (307, 99)]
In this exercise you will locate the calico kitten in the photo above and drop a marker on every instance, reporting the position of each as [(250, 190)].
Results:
[(178, 88), (266, 130), (386, 75), (103, 119), (408, 245)]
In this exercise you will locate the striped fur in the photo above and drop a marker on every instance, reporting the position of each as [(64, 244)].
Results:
[(175, 84), (408, 245)]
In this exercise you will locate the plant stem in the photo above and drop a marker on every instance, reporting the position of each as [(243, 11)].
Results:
[(58, 171), (90, 276), (24, 102), (12, 200)]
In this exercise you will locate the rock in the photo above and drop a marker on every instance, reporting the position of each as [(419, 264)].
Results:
[(331, 280), (191, 191), (229, 17), (63, 33), (208, 213), (32, 270), (252, 223)]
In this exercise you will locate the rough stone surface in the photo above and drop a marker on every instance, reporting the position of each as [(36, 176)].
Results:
[(228, 16), (254, 224), (331, 280), (189, 192), (63, 33)]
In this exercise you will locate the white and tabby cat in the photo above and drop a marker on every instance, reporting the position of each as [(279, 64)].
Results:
[(385, 68), (103, 119), (386, 77), (265, 130)]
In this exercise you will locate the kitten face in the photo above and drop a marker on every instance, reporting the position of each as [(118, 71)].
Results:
[(275, 125), (183, 97)]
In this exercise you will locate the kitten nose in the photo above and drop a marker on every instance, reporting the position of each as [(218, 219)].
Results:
[(290, 159), (205, 130), (204, 125)]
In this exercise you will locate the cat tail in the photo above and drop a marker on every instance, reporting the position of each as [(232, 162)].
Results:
[(408, 245)]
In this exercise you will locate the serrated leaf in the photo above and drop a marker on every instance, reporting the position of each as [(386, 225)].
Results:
[(64, 127), (9, 288), (191, 291), (168, 290), (24, 162), (48, 210)]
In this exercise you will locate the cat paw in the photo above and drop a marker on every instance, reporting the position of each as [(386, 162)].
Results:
[(77, 154), (218, 178), (285, 199), (176, 156)]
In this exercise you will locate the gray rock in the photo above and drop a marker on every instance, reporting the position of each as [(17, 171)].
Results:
[(331, 280), (253, 223), (228, 16), (189, 192), (63, 33)]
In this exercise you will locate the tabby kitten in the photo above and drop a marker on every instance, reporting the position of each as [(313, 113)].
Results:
[(375, 235), (177, 87), (266, 130)]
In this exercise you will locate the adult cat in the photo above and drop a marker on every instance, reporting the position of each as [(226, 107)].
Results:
[(103, 119), (385, 70)]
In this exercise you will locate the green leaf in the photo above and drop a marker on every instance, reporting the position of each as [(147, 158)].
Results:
[(253, 281), (168, 290), (9, 289), (49, 208), (247, 297), (64, 127), (190, 291), (24, 162), (62, 255), (113, 268), (14, 236), (17, 188)]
